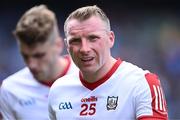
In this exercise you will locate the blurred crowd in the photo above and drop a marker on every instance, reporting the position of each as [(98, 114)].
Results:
[(146, 36)]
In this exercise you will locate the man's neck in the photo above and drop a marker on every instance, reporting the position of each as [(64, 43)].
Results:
[(97, 75)]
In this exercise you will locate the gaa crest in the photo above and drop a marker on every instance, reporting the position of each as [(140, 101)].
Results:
[(112, 103)]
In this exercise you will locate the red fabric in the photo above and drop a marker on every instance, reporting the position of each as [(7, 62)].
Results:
[(159, 106)]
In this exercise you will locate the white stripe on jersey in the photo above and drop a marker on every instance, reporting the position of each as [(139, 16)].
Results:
[(156, 95), (159, 98)]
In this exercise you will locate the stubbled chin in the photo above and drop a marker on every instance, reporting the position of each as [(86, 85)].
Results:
[(39, 77), (88, 69), (87, 66)]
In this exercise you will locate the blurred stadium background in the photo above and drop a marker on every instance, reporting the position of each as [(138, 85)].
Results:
[(147, 34)]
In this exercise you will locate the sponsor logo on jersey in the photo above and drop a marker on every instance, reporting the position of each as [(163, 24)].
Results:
[(27, 102), (112, 102), (90, 99), (65, 105)]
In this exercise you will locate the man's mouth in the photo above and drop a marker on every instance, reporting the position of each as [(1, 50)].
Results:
[(87, 59)]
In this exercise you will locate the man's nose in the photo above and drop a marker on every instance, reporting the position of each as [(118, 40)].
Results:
[(85, 46)]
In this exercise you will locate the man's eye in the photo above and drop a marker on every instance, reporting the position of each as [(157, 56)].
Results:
[(74, 41), (93, 38)]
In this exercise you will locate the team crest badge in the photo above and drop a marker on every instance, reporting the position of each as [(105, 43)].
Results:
[(112, 103)]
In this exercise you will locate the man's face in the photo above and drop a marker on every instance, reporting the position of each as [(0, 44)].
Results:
[(89, 43), (40, 59)]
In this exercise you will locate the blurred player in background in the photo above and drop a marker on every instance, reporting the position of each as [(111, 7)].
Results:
[(105, 88), (24, 95)]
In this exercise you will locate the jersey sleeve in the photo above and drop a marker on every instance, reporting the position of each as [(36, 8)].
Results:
[(5, 105), (151, 103)]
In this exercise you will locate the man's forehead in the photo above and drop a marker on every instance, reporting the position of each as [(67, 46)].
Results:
[(34, 47), (32, 51), (85, 30), (91, 23)]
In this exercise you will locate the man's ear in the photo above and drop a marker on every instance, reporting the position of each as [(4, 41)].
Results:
[(65, 41), (59, 44), (111, 38), (67, 45)]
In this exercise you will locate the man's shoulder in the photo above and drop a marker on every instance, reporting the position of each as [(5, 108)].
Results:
[(65, 83), (19, 74), (131, 69), (17, 78), (131, 74), (139, 76), (66, 80)]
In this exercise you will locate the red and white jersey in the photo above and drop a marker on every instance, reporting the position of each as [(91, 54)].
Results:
[(126, 92), (24, 98)]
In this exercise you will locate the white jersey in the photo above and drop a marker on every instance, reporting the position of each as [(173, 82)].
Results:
[(24, 98), (126, 92)]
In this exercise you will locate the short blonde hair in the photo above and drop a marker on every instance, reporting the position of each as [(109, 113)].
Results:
[(36, 25), (84, 13)]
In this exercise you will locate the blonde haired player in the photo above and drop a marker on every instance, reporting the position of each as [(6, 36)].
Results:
[(105, 88), (24, 95)]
